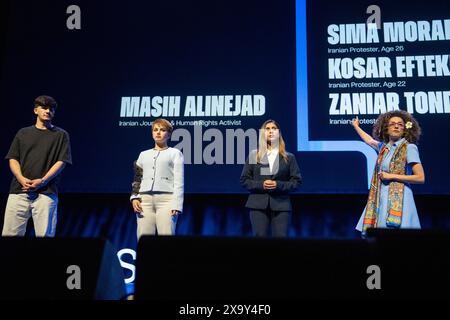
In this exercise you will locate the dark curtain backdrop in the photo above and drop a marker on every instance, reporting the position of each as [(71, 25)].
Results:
[(314, 216)]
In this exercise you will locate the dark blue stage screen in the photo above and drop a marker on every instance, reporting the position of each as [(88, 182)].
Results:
[(218, 70)]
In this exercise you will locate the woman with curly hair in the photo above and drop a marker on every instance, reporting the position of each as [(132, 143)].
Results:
[(391, 203), (270, 174)]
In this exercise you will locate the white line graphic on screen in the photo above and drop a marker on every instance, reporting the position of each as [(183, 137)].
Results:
[(304, 144)]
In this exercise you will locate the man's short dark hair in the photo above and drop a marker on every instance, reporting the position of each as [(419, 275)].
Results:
[(45, 101)]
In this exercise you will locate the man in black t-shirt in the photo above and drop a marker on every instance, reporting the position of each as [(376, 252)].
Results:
[(37, 156)]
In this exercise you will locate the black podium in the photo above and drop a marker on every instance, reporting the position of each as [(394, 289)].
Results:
[(44, 268), (250, 269)]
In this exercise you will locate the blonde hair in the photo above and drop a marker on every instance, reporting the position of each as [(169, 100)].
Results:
[(262, 145), (163, 123)]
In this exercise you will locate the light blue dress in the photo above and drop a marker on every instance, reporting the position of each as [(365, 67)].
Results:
[(410, 218)]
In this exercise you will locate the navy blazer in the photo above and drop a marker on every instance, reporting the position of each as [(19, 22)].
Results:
[(286, 174)]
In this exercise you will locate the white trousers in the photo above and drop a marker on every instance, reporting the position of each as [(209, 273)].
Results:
[(41, 207), (156, 215)]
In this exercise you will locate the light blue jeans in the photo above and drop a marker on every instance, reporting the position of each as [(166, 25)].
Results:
[(21, 207)]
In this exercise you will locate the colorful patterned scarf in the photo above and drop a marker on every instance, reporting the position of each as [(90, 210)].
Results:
[(395, 196)]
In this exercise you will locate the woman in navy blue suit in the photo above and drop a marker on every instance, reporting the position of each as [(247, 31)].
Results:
[(270, 174)]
